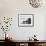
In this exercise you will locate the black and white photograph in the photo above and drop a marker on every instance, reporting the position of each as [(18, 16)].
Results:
[(26, 20)]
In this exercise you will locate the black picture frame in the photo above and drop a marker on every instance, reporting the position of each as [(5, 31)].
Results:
[(25, 20)]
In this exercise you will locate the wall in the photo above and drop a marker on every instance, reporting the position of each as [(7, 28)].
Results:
[(11, 8)]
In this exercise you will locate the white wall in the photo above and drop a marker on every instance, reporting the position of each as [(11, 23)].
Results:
[(12, 8)]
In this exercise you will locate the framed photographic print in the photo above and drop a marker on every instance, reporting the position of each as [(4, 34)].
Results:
[(25, 20)]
